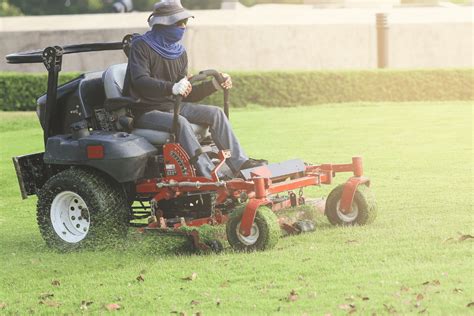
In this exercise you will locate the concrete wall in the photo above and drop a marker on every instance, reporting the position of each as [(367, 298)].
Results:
[(266, 37)]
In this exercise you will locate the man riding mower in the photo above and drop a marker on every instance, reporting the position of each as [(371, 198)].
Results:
[(126, 144)]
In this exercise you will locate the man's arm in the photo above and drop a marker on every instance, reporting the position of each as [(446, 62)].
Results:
[(140, 75), (200, 91)]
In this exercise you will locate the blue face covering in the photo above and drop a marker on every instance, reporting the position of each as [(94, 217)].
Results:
[(165, 40)]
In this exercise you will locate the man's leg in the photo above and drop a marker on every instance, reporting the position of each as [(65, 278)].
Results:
[(220, 128), (163, 121)]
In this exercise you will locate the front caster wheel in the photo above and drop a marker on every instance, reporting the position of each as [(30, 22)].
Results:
[(264, 234), (364, 208)]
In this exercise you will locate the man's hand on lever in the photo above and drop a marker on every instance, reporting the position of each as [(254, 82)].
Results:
[(182, 87)]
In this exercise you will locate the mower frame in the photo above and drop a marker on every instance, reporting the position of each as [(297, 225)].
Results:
[(257, 187)]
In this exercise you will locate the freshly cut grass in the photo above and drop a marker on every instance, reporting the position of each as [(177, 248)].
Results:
[(416, 257)]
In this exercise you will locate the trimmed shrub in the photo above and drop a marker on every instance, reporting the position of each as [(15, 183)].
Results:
[(279, 89), (18, 92)]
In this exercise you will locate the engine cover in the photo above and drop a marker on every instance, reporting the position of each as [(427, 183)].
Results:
[(123, 156)]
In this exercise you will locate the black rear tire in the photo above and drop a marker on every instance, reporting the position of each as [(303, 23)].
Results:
[(265, 232), (364, 207), (81, 209)]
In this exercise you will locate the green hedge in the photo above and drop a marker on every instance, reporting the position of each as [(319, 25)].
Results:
[(18, 92)]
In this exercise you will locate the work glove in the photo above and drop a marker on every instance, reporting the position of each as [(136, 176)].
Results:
[(226, 85), (181, 87)]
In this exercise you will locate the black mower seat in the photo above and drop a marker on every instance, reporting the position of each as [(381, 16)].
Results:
[(114, 78)]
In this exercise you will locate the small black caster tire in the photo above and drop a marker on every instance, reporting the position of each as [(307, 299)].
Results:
[(364, 207), (264, 235)]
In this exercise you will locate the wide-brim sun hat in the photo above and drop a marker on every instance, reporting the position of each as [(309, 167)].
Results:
[(168, 12)]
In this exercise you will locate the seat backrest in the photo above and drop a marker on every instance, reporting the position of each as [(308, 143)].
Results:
[(114, 78)]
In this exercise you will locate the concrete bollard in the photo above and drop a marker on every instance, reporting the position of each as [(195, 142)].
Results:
[(382, 40)]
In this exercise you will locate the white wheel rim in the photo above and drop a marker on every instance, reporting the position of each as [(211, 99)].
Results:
[(348, 217), (250, 239), (70, 217)]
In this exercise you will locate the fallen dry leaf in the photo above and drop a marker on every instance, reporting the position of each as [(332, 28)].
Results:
[(2, 305), (44, 296), (197, 314), (55, 283), (293, 296), (112, 307), (470, 304), (85, 305), (436, 282), (457, 290), (50, 303), (182, 314), (344, 306), (407, 302), (140, 278), (390, 309), (465, 237), (193, 302), (192, 277), (347, 306), (404, 288), (420, 297)]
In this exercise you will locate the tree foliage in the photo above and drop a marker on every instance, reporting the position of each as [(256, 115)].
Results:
[(147, 5), (47, 7), (7, 9)]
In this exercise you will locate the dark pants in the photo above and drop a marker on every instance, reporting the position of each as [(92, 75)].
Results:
[(212, 116)]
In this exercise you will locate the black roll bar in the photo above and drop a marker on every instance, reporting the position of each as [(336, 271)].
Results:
[(36, 56)]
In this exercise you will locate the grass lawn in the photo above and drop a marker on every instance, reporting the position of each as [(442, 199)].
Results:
[(412, 260)]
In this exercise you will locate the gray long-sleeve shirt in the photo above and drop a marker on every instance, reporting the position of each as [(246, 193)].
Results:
[(150, 78)]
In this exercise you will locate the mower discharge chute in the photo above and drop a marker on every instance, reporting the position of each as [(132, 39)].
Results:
[(99, 175)]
